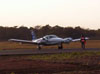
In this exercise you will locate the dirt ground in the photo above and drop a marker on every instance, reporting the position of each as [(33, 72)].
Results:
[(84, 65)]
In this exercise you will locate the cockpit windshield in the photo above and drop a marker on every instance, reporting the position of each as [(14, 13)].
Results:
[(50, 36)]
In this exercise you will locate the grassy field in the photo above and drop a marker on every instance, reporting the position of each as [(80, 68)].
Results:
[(84, 59), (13, 45), (73, 63), (64, 56)]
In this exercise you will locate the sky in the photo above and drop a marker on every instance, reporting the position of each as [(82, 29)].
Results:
[(84, 13)]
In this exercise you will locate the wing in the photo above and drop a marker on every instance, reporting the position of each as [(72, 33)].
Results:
[(74, 40), (22, 41)]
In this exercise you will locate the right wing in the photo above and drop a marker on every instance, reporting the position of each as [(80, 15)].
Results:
[(74, 40), (22, 41)]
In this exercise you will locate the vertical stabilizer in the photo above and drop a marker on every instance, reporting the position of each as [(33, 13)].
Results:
[(33, 35)]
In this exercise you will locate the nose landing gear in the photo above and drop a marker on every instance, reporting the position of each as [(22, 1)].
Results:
[(39, 47)]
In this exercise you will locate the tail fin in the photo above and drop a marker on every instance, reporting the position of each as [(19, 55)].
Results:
[(33, 35)]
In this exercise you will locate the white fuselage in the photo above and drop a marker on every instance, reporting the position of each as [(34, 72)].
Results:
[(51, 40)]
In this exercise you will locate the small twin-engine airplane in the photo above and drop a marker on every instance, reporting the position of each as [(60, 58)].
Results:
[(48, 40)]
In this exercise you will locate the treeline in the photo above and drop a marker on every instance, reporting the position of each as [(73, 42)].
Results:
[(25, 33)]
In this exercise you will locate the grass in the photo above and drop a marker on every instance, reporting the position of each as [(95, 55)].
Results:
[(76, 72), (90, 44), (13, 45), (63, 56), (53, 57)]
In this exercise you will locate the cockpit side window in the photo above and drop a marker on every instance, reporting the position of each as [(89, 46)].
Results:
[(47, 37), (51, 37)]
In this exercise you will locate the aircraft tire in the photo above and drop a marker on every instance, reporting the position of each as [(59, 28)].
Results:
[(60, 46), (39, 47)]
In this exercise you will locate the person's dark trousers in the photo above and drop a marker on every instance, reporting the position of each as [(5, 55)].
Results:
[(83, 45)]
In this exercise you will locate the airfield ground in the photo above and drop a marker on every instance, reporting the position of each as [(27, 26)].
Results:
[(12, 46), (64, 63)]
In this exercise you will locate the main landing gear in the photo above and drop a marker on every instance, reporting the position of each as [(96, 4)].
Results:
[(60, 46)]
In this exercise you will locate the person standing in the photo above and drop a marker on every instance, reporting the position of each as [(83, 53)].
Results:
[(83, 41)]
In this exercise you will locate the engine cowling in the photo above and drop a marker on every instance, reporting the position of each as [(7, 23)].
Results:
[(67, 40)]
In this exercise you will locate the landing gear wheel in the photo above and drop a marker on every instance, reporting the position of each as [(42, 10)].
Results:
[(60, 46), (39, 47)]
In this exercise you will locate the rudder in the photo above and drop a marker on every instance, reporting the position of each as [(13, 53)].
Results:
[(33, 35)]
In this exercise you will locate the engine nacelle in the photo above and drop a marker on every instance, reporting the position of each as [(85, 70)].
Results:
[(67, 40)]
